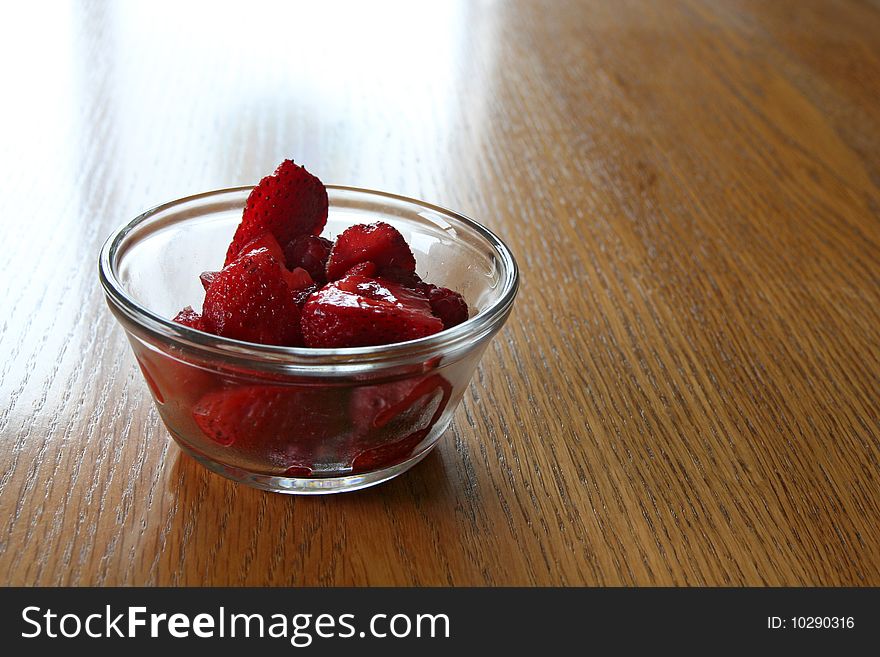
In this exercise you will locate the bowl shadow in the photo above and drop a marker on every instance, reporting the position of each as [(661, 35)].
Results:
[(223, 533)]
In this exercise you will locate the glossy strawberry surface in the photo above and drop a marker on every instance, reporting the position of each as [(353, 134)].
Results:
[(446, 304), (311, 253), (289, 203), (189, 317), (379, 243), (251, 299), (360, 311), (290, 427), (393, 418)]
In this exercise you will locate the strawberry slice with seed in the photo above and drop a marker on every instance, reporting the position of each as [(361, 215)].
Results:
[(291, 428), (189, 317), (379, 243), (252, 299), (289, 203), (358, 311), (392, 419), (309, 252)]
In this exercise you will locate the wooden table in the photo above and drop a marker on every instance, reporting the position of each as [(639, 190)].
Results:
[(686, 392)]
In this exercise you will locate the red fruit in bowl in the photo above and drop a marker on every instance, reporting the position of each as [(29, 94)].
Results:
[(289, 203), (309, 252), (367, 269), (291, 427), (447, 304), (391, 419), (265, 240), (379, 243), (207, 277), (374, 407), (359, 311), (189, 317), (298, 279), (172, 379), (251, 299)]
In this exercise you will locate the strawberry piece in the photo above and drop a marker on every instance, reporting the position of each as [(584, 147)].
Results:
[(367, 269), (207, 277), (172, 379), (374, 407), (265, 240), (446, 304), (301, 296), (189, 317), (289, 203), (298, 279), (251, 299), (309, 252), (151, 380), (388, 454), (359, 311), (392, 419), (262, 241), (290, 427), (379, 243)]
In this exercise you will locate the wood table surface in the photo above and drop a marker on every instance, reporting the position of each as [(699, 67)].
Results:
[(686, 392)]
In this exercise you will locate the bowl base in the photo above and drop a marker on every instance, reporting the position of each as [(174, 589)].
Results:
[(307, 485)]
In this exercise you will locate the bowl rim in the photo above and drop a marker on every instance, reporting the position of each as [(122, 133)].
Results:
[(263, 356)]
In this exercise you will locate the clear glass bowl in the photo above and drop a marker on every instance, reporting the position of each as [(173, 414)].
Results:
[(298, 420)]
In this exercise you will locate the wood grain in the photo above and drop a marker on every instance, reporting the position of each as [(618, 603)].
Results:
[(687, 390)]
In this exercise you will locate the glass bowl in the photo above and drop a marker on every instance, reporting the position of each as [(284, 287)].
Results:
[(290, 419)]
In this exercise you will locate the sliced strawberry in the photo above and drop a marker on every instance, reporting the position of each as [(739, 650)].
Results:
[(289, 203), (151, 381), (359, 311), (298, 279), (379, 243), (262, 241), (189, 317), (207, 277), (373, 407), (447, 304), (251, 299), (172, 379), (367, 269), (265, 240), (388, 454), (301, 296), (309, 252), (291, 427), (393, 418)]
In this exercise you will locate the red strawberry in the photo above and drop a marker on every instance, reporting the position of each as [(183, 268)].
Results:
[(301, 296), (298, 279), (309, 252), (265, 240), (392, 419), (251, 299), (262, 241), (367, 269), (373, 407), (207, 277), (359, 311), (151, 381), (289, 203), (446, 304), (291, 427), (379, 243), (189, 317), (172, 379), (388, 454)]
